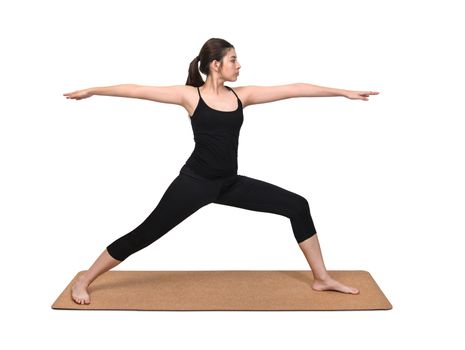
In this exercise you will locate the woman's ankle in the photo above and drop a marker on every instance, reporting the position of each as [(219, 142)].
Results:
[(321, 277), (83, 279)]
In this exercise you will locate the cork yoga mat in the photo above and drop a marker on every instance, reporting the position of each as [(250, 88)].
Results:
[(224, 290)]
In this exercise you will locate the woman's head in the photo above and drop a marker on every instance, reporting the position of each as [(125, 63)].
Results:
[(218, 58)]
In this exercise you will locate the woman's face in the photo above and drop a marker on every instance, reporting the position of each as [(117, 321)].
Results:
[(231, 66)]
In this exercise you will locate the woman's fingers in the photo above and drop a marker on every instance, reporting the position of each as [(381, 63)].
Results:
[(364, 94), (78, 94), (367, 93), (70, 94)]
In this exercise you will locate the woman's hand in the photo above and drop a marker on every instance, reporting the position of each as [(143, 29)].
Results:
[(78, 94), (359, 95)]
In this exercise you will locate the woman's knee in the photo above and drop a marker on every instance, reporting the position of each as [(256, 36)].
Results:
[(300, 206), (301, 220)]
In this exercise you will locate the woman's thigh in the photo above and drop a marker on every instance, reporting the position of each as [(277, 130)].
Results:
[(253, 194), (184, 196), (249, 193)]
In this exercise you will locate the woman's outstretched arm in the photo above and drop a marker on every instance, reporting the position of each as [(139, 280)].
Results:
[(253, 94), (310, 90), (122, 90), (175, 94)]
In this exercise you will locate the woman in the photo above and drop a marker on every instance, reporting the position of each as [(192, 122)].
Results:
[(210, 173)]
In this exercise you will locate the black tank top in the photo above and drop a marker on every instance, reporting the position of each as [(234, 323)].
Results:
[(216, 136)]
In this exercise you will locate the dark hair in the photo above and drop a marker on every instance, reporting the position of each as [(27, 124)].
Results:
[(213, 49)]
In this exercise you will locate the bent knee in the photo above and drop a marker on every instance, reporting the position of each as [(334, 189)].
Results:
[(300, 206)]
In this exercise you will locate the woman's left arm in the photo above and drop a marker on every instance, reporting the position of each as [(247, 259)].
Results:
[(253, 94), (310, 90)]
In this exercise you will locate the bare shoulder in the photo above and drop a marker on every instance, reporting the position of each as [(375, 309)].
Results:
[(242, 92), (255, 94)]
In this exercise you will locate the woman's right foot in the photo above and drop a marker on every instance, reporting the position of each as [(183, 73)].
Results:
[(331, 284), (79, 292)]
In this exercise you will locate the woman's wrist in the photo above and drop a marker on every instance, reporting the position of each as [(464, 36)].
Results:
[(345, 93)]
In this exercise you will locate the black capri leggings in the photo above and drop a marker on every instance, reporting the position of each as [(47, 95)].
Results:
[(190, 192)]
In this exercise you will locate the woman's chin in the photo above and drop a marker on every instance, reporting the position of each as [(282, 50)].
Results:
[(233, 78)]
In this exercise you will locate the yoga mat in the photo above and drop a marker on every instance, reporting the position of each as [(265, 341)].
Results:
[(224, 290)]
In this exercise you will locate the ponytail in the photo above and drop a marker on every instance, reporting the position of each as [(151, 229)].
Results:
[(194, 78)]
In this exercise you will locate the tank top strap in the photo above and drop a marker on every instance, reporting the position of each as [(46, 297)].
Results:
[(198, 91), (232, 91)]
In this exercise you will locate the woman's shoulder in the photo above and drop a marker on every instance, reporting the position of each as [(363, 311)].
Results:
[(241, 92)]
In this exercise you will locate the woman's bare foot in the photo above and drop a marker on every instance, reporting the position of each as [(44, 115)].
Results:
[(79, 291), (331, 284)]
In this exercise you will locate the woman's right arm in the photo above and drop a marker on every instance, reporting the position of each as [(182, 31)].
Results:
[(122, 90), (176, 94)]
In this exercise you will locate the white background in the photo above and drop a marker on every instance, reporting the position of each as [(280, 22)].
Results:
[(384, 177)]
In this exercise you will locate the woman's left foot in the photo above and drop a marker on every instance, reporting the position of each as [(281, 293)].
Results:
[(332, 284), (79, 292)]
